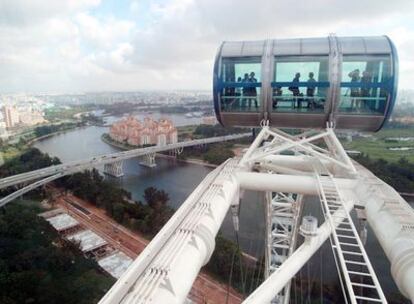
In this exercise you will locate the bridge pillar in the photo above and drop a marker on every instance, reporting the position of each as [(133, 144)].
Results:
[(175, 152), (148, 160), (114, 169)]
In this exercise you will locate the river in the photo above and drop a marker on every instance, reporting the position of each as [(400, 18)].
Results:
[(179, 179)]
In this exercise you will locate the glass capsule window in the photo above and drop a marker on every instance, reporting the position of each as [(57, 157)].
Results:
[(365, 85), (300, 84), (240, 84)]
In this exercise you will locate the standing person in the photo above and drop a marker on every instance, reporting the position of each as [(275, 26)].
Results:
[(253, 91), (246, 90), (310, 91), (355, 78), (366, 90), (295, 90), (238, 92)]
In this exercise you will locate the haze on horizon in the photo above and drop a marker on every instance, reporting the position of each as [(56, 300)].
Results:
[(122, 45)]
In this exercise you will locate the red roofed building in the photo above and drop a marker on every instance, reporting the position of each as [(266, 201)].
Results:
[(150, 132)]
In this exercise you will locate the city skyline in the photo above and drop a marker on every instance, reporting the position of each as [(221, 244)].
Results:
[(93, 45)]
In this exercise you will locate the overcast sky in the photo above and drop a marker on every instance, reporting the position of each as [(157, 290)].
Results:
[(116, 45)]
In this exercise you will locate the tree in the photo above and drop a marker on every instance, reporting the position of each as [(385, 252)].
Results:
[(156, 199), (38, 266)]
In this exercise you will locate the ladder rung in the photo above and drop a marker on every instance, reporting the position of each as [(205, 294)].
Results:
[(355, 263), (341, 217), (346, 236), (340, 212), (368, 299), (366, 274), (339, 206), (344, 229), (333, 204), (351, 252), (363, 285), (349, 244)]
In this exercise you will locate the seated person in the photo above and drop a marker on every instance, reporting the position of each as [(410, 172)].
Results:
[(277, 91)]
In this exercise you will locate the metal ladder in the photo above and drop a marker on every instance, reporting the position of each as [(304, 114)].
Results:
[(362, 283)]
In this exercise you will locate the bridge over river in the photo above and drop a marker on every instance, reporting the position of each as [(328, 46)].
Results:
[(112, 164)]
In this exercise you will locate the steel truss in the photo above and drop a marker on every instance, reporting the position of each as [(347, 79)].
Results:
[(285, 167), (283, 213)]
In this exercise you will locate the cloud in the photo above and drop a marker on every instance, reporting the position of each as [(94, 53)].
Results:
[(169, 44), (26, 13)]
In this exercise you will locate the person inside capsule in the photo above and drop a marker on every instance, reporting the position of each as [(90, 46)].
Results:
[(366, 91), (245, 91), (355, 102), (295, 91), (238, 92), (310, 91), (253, 91), (277, 91)]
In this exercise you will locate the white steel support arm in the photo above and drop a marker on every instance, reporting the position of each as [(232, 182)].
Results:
[(392, 220), (285, 183), (277, 281), (296, 162), (165, 271)]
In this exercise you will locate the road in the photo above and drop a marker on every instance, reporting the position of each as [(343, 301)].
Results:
[(205, 288)]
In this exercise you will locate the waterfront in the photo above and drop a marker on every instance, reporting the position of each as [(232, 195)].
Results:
[(179, 179)]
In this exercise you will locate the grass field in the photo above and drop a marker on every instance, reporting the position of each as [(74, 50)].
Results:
[(378, 144)]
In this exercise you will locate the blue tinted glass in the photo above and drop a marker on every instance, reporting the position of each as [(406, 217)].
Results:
[(365, 84), (241, 84), (300, 84)]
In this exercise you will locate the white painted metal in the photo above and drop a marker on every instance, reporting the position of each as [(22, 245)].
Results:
[(278, 280), (166, 270), (285, 183), (353, 259), (283, 216)]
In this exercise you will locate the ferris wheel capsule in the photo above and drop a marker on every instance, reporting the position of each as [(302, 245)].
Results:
[(350, 82)]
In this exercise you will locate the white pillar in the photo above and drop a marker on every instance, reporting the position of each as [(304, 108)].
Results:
[(285, 183)]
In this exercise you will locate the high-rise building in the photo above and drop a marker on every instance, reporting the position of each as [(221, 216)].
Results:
[(3, 132), (11, 116)]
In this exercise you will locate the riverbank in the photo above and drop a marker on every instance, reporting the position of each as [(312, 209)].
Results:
[(36, 139)]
